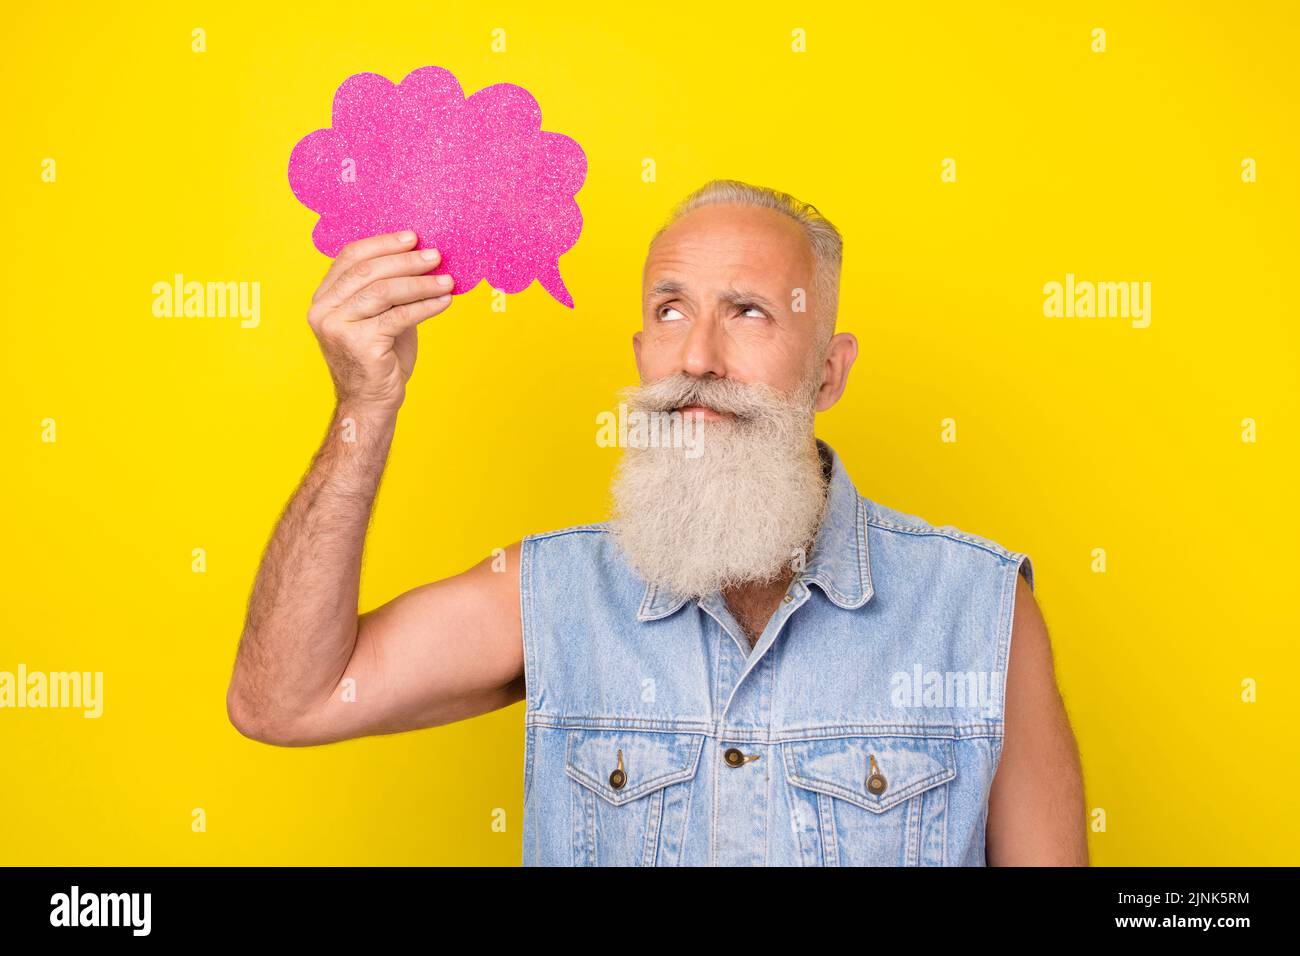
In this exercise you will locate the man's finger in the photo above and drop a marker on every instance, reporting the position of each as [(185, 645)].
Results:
[(400, 318), (385, 243), (365, 271), (383, 294)]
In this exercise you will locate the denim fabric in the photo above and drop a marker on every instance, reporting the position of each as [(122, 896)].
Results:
[(890, 645)]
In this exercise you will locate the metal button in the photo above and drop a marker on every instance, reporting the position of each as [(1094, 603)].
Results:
[(876, 782), (788, 598), (618, 777), (736, 758)]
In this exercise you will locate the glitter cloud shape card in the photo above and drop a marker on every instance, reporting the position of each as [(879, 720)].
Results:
[(476, 177)]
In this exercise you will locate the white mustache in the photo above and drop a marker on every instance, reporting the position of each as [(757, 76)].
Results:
[(745, 401)]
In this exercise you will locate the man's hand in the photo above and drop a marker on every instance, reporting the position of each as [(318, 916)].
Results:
[(1036, 806), (365, 312)]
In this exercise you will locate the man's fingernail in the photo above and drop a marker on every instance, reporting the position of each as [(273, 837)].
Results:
[(429, 254), (406, 236)]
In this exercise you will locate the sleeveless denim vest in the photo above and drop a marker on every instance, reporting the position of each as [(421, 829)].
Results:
[(862, 729)]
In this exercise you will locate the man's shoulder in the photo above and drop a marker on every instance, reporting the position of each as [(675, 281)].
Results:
[(594, 528), (577, 565), (901, 525), (579, 546)]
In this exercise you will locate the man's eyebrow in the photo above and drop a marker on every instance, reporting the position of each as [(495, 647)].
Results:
[(666, 286), (732, 296), (744, 296)]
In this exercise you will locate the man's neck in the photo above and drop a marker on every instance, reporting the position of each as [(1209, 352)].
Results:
[(752, 605)]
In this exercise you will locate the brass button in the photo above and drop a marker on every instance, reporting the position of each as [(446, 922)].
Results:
[(733, 757), (876, 782), (788, 598), (618, 777)]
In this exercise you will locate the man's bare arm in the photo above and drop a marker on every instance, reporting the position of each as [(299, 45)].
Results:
[(309, 668), (1036, 806)]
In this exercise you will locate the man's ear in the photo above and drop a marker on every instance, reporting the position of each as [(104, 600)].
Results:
[(636, 351), (840, 353)]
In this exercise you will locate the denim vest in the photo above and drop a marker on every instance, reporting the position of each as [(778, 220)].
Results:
[(862, 729)]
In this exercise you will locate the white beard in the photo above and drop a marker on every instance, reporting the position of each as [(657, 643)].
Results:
[(741, 510)]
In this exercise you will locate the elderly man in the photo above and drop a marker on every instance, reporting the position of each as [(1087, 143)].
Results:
[(749, 663)]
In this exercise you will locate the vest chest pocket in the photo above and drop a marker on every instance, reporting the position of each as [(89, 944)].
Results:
[(849, 811), (630, 795)]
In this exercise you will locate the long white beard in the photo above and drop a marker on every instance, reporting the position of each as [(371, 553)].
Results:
[(740, 510)]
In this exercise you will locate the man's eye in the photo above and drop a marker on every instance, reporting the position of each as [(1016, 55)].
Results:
[(754, 308), (670, 308)]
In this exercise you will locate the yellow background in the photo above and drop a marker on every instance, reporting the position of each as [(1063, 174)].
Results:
[(175, 434)]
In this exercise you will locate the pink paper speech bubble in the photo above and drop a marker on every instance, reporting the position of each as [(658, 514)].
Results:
[(475, 177)]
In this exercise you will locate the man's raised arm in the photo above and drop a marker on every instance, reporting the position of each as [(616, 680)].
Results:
[(310, 669)]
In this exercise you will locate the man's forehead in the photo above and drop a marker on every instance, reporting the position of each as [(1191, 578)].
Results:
[(729, 249), (728, 244)]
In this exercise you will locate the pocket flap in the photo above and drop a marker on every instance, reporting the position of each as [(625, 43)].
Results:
[(650, 760), (840, 766)]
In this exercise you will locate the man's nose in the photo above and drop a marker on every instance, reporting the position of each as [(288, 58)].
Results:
[(702, 351)]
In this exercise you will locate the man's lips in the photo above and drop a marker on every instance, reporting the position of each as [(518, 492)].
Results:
[(704, 412)]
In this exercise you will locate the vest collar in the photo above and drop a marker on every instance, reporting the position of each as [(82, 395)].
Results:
[(840, 564)]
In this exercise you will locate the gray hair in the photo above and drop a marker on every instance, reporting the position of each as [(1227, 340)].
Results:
[(823, 237)]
